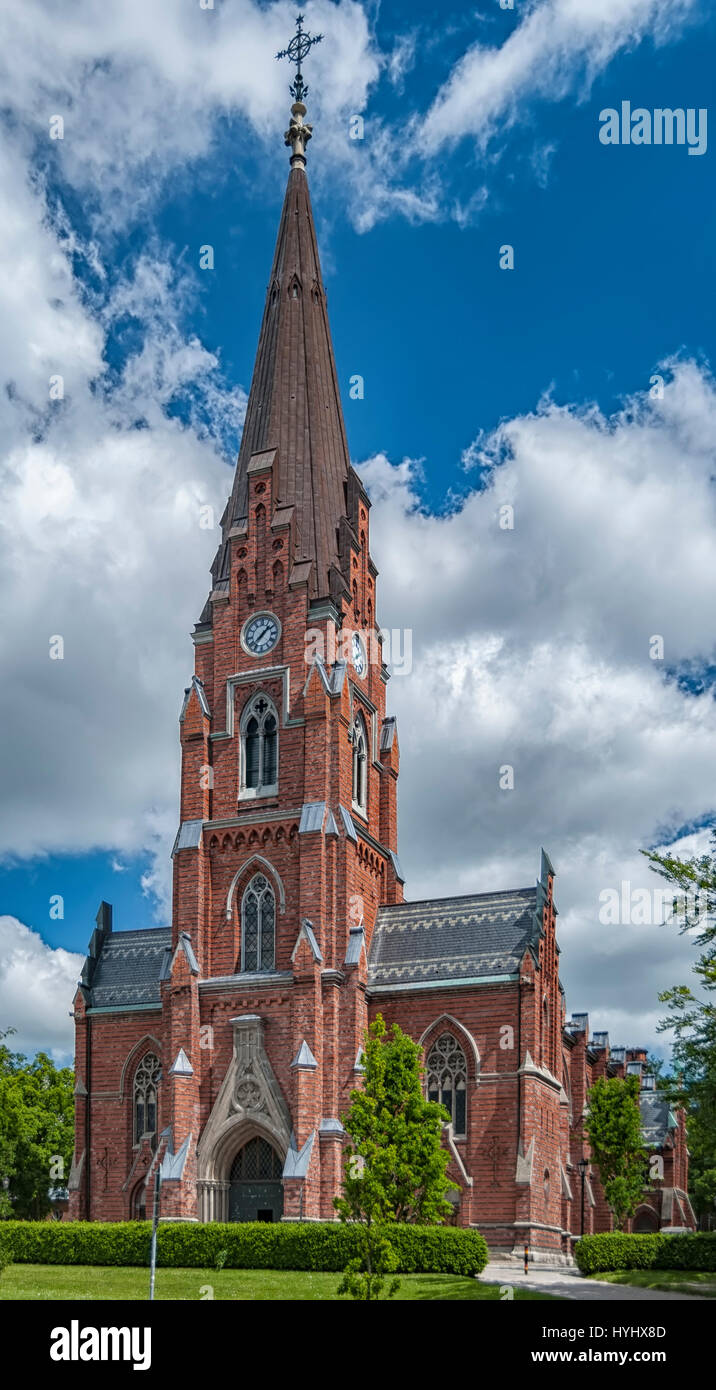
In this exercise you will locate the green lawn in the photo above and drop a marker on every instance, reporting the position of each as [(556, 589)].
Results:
[(88, 1282), (694, 1281)]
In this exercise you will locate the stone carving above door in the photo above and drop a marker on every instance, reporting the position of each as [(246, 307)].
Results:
[(250, 1100)]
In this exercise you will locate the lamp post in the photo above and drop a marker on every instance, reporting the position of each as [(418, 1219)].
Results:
[(155, 1208), (583, 1165)]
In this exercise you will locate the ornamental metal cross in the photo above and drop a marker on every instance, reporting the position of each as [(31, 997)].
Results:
[(298, 49)]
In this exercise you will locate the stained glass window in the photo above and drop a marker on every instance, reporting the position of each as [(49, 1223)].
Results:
[(446, 1071), (258, 925), (146, 1079)]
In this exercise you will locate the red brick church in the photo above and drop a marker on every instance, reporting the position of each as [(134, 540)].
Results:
[(224, 1048)]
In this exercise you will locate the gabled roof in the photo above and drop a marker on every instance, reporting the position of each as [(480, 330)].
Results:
[(484, 934), (128, 968)]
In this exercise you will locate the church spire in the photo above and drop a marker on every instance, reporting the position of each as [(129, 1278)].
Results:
[(294, 409)]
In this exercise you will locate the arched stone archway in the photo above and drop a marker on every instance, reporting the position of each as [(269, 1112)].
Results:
[(250, 1104), (219, 1198)]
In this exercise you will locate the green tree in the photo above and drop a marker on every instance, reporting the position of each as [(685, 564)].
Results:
[(36, 1131), (613, 1128), (395, 1165), (691, 1015)]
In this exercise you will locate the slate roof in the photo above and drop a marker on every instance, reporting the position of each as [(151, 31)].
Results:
[(127, 970), (482, 934)]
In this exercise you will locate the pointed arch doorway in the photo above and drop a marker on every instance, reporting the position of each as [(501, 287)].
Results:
[(255, 1186)]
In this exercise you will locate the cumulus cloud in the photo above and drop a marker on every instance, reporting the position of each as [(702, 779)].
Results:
[(112, 490), (531, 648), (37, 986)]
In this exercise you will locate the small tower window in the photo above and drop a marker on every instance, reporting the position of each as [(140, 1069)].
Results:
[(259, 749), (146, 1080), (360, 764), (258, 926), (447, 1080)]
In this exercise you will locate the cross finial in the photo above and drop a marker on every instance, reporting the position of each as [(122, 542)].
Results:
[(299, 132), (298, 49)]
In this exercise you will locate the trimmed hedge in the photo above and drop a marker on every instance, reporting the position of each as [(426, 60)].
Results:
[(5, 1246), (253, 1245), (617, 1250)]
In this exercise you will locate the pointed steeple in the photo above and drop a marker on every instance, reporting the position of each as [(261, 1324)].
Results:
[(294, 404)]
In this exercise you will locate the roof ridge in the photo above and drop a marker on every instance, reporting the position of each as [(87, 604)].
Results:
[(460, 897), (135, 931)]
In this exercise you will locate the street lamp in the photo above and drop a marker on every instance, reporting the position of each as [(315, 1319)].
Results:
[(583, 1165), (155, 1210)]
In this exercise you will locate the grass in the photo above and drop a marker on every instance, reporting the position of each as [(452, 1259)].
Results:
[(85, 1283), (696, 1281)]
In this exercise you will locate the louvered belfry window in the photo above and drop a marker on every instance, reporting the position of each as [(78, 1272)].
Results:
[(259, 748), (447, 1079), (258, 926), (360, 763)]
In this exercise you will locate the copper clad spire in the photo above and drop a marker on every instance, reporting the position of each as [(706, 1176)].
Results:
[(294, 404)]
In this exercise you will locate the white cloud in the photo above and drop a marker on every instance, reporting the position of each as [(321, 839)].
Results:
[(402, 58), (102, 542), (37, 987), (140, 87), (557, 45), (531, 648), (145, 91)]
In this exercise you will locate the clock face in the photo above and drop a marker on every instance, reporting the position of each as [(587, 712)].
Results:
[(358, 655), (261, 633)]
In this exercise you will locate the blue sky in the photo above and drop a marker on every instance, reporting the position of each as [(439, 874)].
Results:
[(173, 140)]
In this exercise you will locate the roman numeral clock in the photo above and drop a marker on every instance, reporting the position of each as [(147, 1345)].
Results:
[(260, 633)]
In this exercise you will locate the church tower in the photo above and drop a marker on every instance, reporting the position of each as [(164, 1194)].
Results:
[(287, 841)]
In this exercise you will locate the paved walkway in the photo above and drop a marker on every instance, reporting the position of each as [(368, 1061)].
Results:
[(569, 1283)]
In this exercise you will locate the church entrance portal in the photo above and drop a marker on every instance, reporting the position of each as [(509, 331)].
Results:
[(256, 1190)]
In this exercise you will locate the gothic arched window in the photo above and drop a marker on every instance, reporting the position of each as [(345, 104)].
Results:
[(146, 1080), (259, 748), (258, 926), (360, 763), (447, 1080)]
